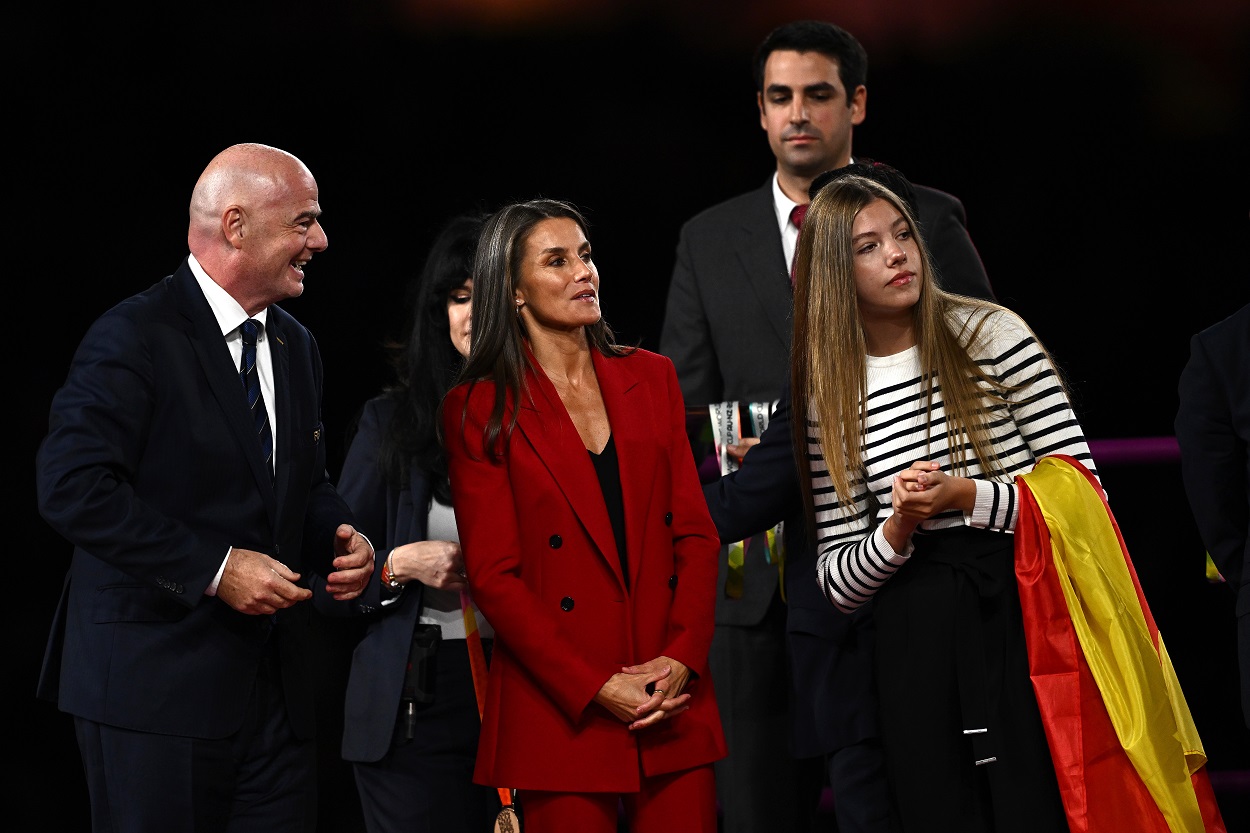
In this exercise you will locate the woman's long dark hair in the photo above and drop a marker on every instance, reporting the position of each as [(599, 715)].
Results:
[(427, 364), (499, 352)]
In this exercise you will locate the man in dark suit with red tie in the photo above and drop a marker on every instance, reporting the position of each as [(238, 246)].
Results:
[(191, 479), (727, 329)]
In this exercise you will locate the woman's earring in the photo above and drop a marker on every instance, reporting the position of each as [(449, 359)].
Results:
[(519, 304)]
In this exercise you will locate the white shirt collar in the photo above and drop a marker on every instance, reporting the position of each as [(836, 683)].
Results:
[(782, 204), (228, 312)]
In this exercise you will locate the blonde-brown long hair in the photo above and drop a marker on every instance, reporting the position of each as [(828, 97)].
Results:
[(829, 360)]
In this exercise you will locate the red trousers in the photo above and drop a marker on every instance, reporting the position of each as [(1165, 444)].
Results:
[(684, 801)]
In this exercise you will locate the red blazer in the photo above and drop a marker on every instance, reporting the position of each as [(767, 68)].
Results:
[(543, 566)]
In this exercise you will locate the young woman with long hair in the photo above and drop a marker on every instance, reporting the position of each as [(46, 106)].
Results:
[(921, 408)]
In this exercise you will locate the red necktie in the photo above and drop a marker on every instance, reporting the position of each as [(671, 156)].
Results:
[(796, 216)]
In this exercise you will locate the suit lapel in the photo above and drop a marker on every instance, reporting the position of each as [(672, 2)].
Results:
[(281, 363), (759, 250), (223, 377), (631, 411), (542, 418)]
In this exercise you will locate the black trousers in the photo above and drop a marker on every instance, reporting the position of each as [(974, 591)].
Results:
[(953, 679), (426, 784), (761, 786)]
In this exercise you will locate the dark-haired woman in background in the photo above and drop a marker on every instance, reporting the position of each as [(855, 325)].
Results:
[(588, 545), (412, 736)]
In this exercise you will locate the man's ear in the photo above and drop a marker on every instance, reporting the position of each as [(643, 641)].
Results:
[(859, 105), (233, 223), (759, 101)]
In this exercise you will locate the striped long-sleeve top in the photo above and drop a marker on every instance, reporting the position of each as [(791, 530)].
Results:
[(855, 559)]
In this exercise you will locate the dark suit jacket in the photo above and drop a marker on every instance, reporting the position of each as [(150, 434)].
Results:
[(152, 470), (390, 517), (544, 568), (728, 322), (728, 318), (832, 700), (1213, 431)]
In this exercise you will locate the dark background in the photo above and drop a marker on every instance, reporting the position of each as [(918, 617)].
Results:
[(1099, 148)]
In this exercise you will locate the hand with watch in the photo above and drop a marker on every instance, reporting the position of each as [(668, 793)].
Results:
[(388, 573), (437, 564)]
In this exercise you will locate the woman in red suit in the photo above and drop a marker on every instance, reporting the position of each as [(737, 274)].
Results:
[(587, 544)]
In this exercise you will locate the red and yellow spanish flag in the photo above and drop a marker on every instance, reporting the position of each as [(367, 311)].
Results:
[(1125, 748)]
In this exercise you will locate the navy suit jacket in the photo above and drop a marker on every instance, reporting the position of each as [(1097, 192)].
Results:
[(1213, 432), (390, 517), (152, 470)]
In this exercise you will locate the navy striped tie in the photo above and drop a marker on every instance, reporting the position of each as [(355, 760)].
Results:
[(250, 329)]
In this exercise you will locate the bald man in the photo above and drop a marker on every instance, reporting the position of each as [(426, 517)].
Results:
[(187, 468)]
